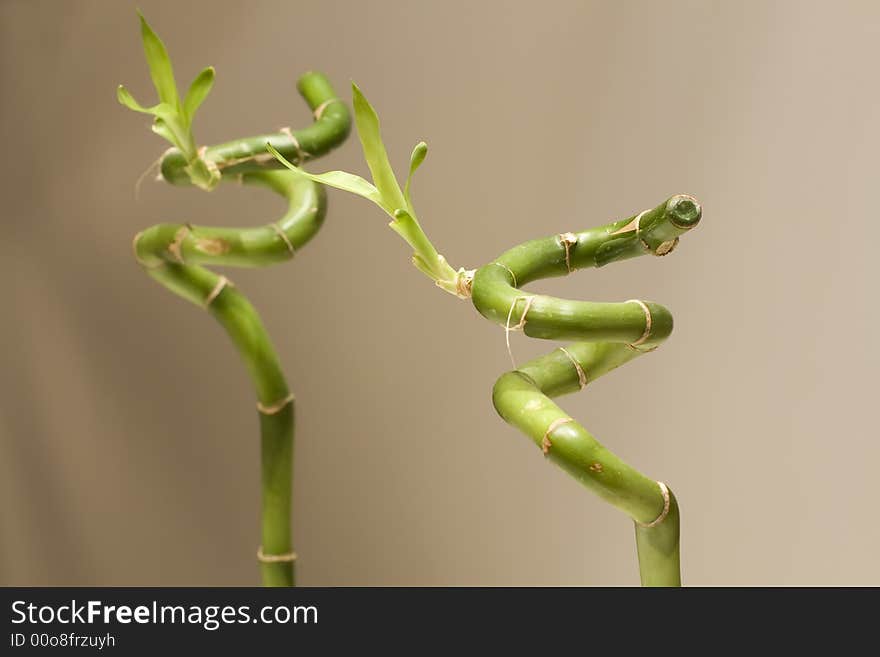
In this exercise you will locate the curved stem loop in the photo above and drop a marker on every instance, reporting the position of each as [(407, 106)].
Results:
[(609, 335), (175, 255)]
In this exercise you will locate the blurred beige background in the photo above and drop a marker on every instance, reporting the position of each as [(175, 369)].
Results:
[(128, 440)]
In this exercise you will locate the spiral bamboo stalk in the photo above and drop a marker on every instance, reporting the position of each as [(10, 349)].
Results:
[(176, 255), (607, 334)]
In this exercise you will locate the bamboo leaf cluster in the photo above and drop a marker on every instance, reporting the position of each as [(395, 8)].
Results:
[(173, 118), (385, 192)]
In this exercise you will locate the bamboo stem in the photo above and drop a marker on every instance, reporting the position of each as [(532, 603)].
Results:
[(612, 334), (249, 154), (174, 255), (245, 328)]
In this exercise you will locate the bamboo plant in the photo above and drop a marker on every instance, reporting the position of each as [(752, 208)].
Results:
[(606, 335), (176, 255)]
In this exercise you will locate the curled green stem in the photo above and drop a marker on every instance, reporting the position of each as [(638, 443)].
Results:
[(240, 156), (175, 255), (609, 335)]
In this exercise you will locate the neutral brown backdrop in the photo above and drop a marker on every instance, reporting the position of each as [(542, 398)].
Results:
[(128, 440)]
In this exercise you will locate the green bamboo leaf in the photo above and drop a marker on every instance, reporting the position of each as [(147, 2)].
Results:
[(415, 161), (347, 182), (423, 267), (161, 128), (124, 96), (160, 65), (198, 91), (374, 151), (163, 110)]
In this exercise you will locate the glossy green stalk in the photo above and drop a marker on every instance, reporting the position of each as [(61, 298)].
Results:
[(245, 328), (495, 289), (331, 127), (612, 334), (174, 255)]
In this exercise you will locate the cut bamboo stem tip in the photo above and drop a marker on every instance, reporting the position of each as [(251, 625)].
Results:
[(684, 211)]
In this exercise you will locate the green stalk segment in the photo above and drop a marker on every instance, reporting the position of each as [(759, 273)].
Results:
[(495, 288), (610, 335), (244, 326), (242, 247), (174, 255), (331, 127)]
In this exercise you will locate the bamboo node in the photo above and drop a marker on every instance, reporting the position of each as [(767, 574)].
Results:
[(284, 238), (464, 281), (567, 240), (664, 491), (262, 557), (582, 376), (222, 282), (644, 351), (509, 271), (301, 155), (176, 246), (275, 407), (211, 165), (319, 110), (138, 258), (546, 444), (632, 225), (662, 249), (648, 321)]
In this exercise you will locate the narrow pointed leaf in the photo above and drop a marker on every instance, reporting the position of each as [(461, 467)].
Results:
[(374, 151), (162, 110), (160, 64), (198, 91), (347, 182), (124, 96), (422, 266), (162, 129), (415, 161)]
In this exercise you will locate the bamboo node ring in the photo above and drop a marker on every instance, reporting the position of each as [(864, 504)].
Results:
[(262, 557), (664, 491)]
